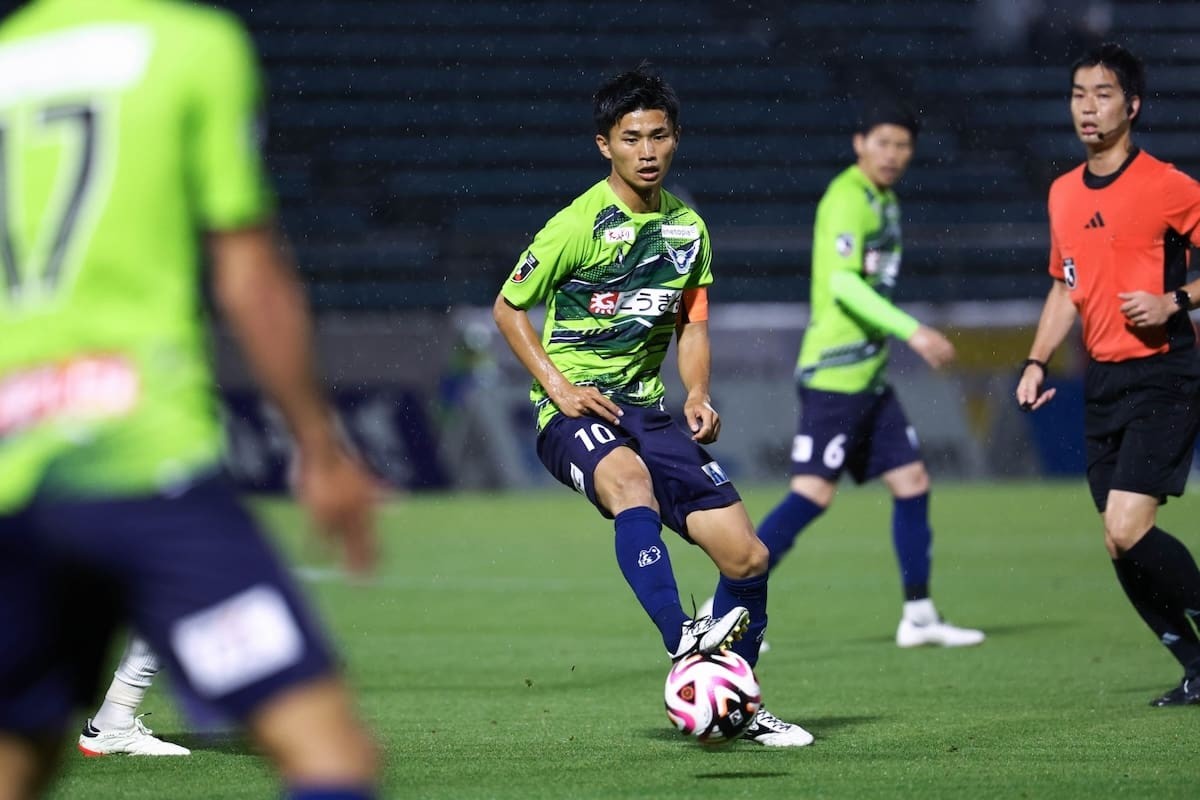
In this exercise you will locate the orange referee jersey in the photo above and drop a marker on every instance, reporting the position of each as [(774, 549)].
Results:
[(1121, 233)]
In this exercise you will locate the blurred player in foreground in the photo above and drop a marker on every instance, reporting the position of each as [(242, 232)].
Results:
[(1120, 226), (850, 418), (127, 144), (621, 270)]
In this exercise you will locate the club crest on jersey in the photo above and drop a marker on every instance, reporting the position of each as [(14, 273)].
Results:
[(604, 304), (844, 244), (618, 235), (682, 257), (1069, 272), (717, 475), (527, 266)]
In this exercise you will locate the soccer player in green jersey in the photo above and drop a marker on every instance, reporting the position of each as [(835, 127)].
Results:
[(622, 270), (127, 148), (850, 418)]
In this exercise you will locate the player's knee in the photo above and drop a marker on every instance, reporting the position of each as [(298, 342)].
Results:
[(314, 737), (816, 489), (629, 486), (908, 481), (749, 562), (1122, 531), (349, 758)]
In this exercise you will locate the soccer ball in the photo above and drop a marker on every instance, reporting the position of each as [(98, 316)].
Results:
[(712, 696)]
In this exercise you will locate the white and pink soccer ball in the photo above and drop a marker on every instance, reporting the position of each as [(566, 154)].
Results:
[(712, 696)]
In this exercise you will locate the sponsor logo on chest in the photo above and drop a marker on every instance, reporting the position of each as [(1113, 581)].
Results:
[(688, 232), (639, 302), (86, 388)]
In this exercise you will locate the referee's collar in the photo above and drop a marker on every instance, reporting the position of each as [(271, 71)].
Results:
[(1093, 181)]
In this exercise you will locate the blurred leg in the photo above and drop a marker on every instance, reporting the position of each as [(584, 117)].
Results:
[(314, 737)]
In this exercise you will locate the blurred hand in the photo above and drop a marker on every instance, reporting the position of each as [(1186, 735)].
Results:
[(340, 497), (1030, 396), (932, 346), (703, 419)]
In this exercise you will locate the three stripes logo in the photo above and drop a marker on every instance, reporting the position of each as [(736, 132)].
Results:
[(1096, 221)]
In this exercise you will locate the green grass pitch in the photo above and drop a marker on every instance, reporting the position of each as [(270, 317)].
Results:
[(499, 654)]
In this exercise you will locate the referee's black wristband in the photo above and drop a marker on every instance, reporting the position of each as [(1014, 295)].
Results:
[(1029, 361)]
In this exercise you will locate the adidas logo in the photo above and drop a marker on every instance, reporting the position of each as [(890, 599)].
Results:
[(1096, 221)]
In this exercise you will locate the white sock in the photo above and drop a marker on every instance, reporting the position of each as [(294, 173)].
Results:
[(920, 612), (131, 680)]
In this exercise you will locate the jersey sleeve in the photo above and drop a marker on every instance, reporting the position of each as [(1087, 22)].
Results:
[(1181, 199), (840, 230), (1055, 267), (843, 222), (224, 162), (556, 250), (702, 275)]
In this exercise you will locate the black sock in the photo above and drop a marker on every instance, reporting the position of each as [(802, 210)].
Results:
[(1169, 623), (1168, 568)]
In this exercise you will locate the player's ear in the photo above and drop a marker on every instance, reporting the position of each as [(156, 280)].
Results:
[(859, 140), (1132, 106), (602, 146)]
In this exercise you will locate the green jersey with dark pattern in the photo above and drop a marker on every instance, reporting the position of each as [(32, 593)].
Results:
[(857, 229), (612, 282), (127, 130)]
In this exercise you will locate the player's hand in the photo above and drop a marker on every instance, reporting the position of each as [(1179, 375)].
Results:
[(340, 497), (586, 401), (702, 419), (1147, 310), (932, 346), (1030, 396)]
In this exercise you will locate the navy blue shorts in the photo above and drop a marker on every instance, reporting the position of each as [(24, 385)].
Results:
[(192, 574), (1140, 423), (866, 434), (686, 478)]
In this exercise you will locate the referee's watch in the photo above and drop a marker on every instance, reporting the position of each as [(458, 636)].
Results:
[(1183, 299)]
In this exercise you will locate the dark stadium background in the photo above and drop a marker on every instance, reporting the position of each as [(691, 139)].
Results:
[(416, 148)]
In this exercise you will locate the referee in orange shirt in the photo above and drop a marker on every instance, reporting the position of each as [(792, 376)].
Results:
[(1120, 228)]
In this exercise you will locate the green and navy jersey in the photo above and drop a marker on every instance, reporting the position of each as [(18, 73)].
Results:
[(857, 230), (612, 282), (127, 129)]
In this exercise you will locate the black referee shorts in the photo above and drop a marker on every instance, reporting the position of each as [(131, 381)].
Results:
[(1141, 419)]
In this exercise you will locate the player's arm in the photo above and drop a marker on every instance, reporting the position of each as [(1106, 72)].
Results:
[(257, 291), (842, 222), (1058, 315), (695, 366), (572, 400), (856, 295)]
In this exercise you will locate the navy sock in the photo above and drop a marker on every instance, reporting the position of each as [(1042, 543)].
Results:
[(779, 529), (644, 562), (751, 593), (330, 793), (912, 539), (1169, 566), (1168, 622)]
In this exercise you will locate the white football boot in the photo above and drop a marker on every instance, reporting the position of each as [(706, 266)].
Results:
[(136, 740), (706, 609), (770, 731), (921, 625), (707, 635)]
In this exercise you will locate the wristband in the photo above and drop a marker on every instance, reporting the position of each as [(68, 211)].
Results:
[(1028, 361)]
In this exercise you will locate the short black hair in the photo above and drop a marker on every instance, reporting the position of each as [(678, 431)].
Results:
[(887, 111), (1128, 68), (638, 89)]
